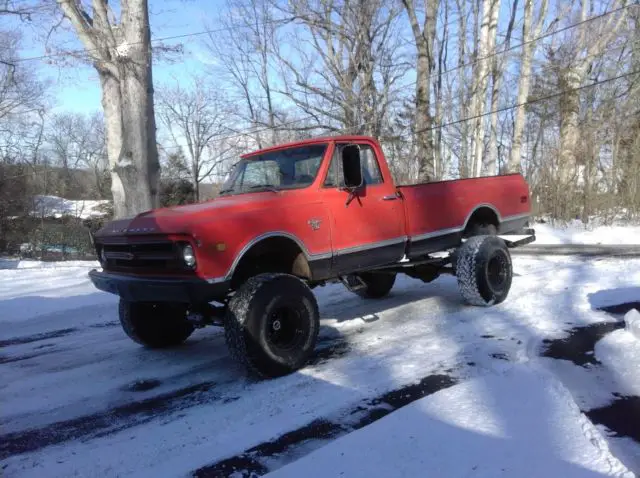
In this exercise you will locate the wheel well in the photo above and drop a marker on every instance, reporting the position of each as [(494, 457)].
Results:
[(481, 216), (274, 254)]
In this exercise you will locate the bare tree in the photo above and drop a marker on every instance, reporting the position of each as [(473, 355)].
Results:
[(577, 57), (120, 51), (197, 116), (77, 141), (344, 67), (528, 47), (245, 51), (20, 90), (498, 62), (486, 44), (424, 40)]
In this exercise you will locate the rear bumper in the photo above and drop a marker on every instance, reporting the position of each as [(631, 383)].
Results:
[(146, 289)]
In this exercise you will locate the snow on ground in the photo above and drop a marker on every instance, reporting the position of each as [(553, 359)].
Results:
[(80, 399), (576, 232), (478, 428), (54, 206), (619, 351)]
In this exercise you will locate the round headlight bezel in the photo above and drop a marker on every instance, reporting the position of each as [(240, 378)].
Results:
[(189, 256)]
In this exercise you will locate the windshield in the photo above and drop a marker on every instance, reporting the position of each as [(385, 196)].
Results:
[(287, 169)]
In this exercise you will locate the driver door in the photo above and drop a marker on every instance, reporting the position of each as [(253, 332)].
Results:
[(367, 228)]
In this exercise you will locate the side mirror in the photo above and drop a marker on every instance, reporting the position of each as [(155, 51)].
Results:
[(351, 167)]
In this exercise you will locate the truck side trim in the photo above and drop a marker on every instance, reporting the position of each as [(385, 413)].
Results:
[(454, 230), (310, 257), (371, 245)]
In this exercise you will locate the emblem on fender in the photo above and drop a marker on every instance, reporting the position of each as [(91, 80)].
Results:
[(314, 223)]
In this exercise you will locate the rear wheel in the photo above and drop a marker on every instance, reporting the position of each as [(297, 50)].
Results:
[(486, 229), (272, 324), (155, 325), (484, 270), (376, 285)]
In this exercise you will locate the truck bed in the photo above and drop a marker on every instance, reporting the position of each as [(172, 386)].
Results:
[(437, 213)]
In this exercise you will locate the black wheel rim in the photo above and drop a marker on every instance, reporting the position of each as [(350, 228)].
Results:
[(286, 328), (497, 271)]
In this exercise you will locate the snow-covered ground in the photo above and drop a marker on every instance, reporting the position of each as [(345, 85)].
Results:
[(80, 399), (54, 206), (577, 233), (478, 428)]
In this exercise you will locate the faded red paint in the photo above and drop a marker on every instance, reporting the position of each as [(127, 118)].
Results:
[(236, 221)]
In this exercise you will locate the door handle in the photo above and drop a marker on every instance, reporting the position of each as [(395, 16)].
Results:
[(390, 197)]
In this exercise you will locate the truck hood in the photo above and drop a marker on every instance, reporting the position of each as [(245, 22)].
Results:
[(178, 219)]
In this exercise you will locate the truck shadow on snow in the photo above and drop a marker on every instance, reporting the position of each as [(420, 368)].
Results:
[(216, 380)]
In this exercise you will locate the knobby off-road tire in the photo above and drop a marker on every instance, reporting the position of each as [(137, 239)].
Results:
[(272, 324), (484, 270), (155, 325), (377, 285)]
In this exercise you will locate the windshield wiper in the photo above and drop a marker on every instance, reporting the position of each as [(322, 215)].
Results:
[(225, 191), (267, 187)]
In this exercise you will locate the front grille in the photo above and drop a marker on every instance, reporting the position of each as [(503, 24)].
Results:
[(161, 256)]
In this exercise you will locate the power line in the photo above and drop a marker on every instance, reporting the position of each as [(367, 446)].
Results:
[(519, 45), (283, 21), (161, 39), (528, 102), (462, 120)]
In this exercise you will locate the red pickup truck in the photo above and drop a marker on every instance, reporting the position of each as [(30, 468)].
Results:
[(293, 217)]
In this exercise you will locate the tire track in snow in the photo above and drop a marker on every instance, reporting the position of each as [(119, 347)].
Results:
[(268, 456), (139, 412), (27, 339), (110, 421)]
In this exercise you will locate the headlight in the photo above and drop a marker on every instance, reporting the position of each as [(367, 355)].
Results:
[(103, 257), (188, 256)]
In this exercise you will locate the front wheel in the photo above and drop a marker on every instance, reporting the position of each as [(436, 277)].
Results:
[(272, 324), (484, 270), (155, 325)]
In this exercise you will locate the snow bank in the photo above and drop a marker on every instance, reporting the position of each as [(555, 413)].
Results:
[(54, 206), (35, 264), (577, 233), (619, 351), (632, 323), (518, 423)]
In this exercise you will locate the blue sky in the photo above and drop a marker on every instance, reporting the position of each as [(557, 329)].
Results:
[(76, 87)]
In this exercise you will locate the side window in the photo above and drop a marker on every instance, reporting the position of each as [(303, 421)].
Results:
[(370, 168)]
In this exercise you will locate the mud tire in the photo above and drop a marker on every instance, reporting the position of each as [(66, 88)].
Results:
[(251, 334), (484, 270), (155, 325)]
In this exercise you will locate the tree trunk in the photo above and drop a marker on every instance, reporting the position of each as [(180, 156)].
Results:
[(490, 9), (496, 85), (122, 56), (514, 164), (424, 39), (463, 159), (424, 121)]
